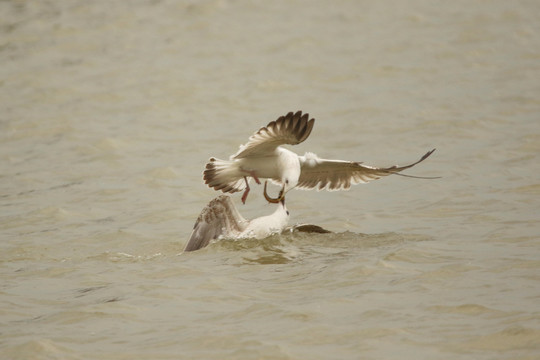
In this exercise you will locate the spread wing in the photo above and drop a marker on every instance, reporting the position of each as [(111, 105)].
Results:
[(219, 218), (340, 175), (289, 129)]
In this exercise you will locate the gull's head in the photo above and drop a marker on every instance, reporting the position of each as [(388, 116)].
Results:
[(283, 207), (283, 211), (289, 183)]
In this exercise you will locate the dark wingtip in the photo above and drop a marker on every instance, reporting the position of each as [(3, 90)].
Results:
[(427, 155), (304, 125), (309, 127)]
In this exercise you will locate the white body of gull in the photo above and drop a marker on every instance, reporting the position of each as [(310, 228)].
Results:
[(221, 219), (262, 157)]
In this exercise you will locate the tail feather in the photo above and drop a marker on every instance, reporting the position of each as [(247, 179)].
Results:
[(222, 175)]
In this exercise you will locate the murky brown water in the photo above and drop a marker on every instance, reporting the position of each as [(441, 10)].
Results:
[(111, 109)]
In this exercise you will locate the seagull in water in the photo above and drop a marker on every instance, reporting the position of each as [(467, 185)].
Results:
[(263, 157), (221, 219)]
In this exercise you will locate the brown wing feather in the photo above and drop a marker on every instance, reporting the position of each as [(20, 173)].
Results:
[(291, 129), (219, 218)]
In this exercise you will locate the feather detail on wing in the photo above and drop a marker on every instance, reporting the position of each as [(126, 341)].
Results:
[(291, 129), (340, 175), (219, 218)]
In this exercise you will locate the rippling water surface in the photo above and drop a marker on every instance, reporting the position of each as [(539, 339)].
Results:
[(111, 109)]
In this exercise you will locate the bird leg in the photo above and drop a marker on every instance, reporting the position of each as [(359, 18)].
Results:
[(244, 196), (280, 197), (252, 174), (255, 177)]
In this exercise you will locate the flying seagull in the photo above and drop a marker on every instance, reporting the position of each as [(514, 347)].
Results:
[(221, 219), (263, 157)]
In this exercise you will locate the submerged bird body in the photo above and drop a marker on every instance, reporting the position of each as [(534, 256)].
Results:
[(263, 157), (221, 219), (263, 226)]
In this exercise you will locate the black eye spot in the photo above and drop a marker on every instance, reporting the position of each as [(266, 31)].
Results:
[(287, 181), (287, 212)]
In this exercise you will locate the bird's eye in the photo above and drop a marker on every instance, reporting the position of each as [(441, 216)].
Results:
[(287, 212), (287, 181)]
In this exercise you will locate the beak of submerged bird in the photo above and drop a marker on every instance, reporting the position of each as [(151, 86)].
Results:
[(280, 198)]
